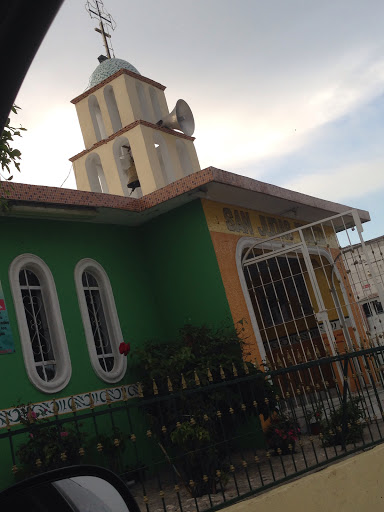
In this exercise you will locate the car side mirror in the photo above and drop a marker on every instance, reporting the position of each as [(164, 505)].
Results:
[(71, 489)]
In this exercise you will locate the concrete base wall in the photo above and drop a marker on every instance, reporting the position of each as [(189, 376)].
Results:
[(355, 484)]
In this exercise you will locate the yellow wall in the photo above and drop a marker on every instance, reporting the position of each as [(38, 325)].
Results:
[(228, 224), (353, 485)]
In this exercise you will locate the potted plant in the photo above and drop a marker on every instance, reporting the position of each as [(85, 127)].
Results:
[(282, 434), (313, 418), (345, 424)]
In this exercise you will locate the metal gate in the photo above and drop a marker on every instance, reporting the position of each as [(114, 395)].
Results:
[(304, 303)]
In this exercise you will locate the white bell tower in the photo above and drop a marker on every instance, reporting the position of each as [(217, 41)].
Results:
[(124, 145)]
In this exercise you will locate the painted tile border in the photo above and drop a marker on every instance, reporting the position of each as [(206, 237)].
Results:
[(45, 409)]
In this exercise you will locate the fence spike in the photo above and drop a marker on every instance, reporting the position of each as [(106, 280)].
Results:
[(91, 401), (210, 378), (197, 380), (246, 369), (140, 390), (222, 374), (299, 356), (183, 382), (234, 370), (155, 389), (169, 382)]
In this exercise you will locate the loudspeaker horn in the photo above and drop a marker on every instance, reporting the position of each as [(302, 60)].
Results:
[(181, 118)]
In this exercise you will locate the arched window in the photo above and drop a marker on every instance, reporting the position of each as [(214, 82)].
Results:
[(144, 110), (155, 104), (95, 173), (113, 111), (185, 160), (97, 118), (122, 152), (40, 324), (163, 157), (100, 320)]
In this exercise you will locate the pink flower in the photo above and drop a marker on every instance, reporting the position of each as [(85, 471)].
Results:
[(63, 434), (31, 436), (124, 348)]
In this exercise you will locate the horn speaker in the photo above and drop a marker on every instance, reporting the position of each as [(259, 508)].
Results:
[(181, 118)]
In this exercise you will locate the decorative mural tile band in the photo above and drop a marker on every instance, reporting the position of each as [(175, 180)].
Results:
[(7, 345), (64, 405)]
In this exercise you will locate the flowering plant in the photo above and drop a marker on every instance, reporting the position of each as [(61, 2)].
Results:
[(47, 447), (282, 434), (314, 415), (124, 348)]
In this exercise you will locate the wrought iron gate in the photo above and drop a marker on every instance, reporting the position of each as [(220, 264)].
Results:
[(304, 304)]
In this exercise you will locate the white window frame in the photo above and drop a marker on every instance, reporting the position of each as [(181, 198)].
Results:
[(54, 320), (111, 317)]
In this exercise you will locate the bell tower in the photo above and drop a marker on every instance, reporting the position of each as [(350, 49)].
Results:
[(133, 145)]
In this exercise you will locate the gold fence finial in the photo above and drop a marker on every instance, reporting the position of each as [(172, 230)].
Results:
[(140, 390), (155, 388), (107, 397), (209, 373), (234, 370), (183, 382), (299, 356), (197, 380), (317, 351), (73, 404), (222, 374), (169, 382), (91, 401), (245, 367)]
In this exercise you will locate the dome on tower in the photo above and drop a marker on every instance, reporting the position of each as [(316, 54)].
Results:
[(107, 68)]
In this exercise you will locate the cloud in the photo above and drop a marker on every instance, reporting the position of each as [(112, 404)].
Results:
[(349, 181)]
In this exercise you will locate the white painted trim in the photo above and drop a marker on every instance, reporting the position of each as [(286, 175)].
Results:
[(112, 319), (55, 323)]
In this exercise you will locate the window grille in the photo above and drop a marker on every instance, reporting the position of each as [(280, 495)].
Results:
[(98, 322), (38, 327)]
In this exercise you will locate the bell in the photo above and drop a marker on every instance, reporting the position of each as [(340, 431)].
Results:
[(133, 179)]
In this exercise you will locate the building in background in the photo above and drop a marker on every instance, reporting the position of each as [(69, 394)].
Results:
[(367, 270)]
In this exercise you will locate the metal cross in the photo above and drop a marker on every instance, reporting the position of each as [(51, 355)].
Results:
[(96, 10)]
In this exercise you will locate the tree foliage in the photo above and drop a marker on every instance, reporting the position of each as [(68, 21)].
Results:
[(9, 156)]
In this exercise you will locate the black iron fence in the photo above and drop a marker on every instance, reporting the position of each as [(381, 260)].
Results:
[(208, 442)]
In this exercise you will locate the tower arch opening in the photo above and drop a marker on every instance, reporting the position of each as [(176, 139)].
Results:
[(126, 167), (163, 158), (95, 173), (113, 110), (97, 118), (184, 158)]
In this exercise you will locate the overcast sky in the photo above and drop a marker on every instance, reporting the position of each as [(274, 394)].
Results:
[(289, 92)]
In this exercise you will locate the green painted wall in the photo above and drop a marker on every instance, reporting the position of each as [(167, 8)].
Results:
[(183, 270), (61, 245), (163, 274)]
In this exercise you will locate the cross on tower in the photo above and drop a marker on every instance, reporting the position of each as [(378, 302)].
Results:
[(96, 10)]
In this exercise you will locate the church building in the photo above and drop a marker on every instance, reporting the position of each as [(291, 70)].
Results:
[(150, 242)]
